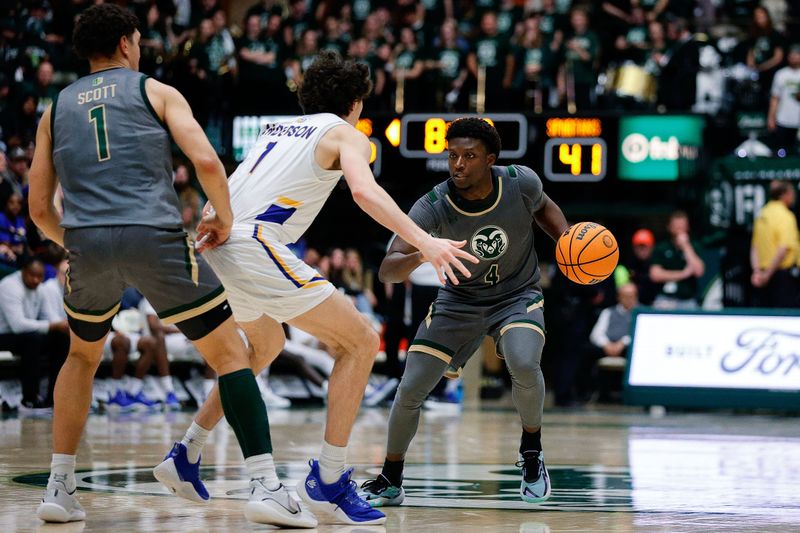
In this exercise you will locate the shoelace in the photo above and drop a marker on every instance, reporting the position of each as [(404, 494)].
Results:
[(530, 465), (349, 494), (376, 485)]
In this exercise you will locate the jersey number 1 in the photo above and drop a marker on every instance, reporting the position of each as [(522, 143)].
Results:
[(492, 277), (97, 115), (267, 149)]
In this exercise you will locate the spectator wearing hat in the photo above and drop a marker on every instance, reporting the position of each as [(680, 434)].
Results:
[(636, 269), (783, 119), (15, 181), (775, 248)]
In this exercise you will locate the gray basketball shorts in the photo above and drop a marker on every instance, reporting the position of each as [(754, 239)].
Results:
[(453, 331), (161, 263)]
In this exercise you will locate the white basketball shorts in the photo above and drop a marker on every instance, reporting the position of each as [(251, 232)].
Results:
[(262, 276)]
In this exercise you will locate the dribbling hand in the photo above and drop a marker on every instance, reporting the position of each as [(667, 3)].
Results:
[(211, 232), (444, 254)]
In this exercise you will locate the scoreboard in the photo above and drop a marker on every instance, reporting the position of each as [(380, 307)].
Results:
[(606, 152)]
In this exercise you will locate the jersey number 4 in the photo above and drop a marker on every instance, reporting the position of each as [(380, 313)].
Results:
[(492, 277), (97, 115)]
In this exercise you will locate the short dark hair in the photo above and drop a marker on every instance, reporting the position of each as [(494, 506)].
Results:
[(678, 213), (778, 188), (332, 85), (99, 29), (476, 128), (30, 260)]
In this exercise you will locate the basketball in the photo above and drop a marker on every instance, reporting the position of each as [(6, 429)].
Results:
[(587, 253)]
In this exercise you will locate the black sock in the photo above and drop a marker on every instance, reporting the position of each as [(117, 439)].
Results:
[(245, 412), (530, 441), (393, 471)]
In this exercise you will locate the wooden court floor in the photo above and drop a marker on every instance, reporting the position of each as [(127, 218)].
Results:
[(612, 470)]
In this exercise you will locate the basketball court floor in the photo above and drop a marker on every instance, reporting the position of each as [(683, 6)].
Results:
[(612, 470)]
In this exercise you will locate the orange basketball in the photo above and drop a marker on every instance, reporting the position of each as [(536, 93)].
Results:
[(587, 253)]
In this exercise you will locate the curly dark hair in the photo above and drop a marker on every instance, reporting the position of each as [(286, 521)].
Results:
[(475, 128), (100, 28), (332, 85)]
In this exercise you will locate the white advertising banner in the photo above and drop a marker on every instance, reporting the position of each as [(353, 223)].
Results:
[(717, 351)]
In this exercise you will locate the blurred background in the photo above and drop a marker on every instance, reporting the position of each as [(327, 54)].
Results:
[(671, 122)]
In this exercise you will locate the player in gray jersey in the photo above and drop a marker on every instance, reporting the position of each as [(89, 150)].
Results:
[(108, 139), (494, 209)]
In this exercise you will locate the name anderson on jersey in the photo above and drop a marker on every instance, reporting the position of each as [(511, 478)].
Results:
[(280, 130)]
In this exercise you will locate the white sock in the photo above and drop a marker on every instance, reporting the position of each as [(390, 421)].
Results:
[(62, 468), (331, 462), (118, 384), (166, 384), (135, 386), (194, 440), (262, 466)]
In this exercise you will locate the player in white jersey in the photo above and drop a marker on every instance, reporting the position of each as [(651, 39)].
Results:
[(276, 193)]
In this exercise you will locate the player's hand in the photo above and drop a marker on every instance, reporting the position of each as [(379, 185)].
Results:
[(444, 254), (211, 232)]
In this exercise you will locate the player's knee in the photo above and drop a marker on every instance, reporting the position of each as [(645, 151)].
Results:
[(525, 373), (408, 396), (85, 358), (146, 344), (362, 344), (371, 343), (120, 343)]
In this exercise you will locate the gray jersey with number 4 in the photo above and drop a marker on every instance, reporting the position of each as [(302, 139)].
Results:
[(112, 154), (498, 231)]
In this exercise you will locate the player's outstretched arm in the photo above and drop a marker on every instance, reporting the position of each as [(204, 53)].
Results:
[(43, 184), (444, 254), (400, 261), (174, 110), (550, 218)]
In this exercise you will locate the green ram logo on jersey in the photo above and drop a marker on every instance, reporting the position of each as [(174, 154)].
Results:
[(97, 81), (489, 242)]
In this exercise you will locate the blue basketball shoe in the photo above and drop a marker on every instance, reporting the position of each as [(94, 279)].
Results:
[(339, 501), (535, 486), (171, 402), (121, 401), (181, 477)]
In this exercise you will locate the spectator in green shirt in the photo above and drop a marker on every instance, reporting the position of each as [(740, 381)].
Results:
[(492, 52), (676, 264), (581, 50)]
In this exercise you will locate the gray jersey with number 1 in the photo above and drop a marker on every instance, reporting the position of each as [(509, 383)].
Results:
[(498, 231), (113, 154)]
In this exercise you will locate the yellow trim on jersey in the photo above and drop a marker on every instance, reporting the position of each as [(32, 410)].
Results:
[(197, 311), (288, 201), (522, 325), (497, 201), (304, 283), (315, 283), (95, 319), (430, 351)]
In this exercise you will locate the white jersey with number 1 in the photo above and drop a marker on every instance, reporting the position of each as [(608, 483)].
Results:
[(279, 185), (276, 193)]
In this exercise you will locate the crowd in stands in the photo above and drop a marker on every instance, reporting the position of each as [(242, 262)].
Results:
[(424, 55)]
